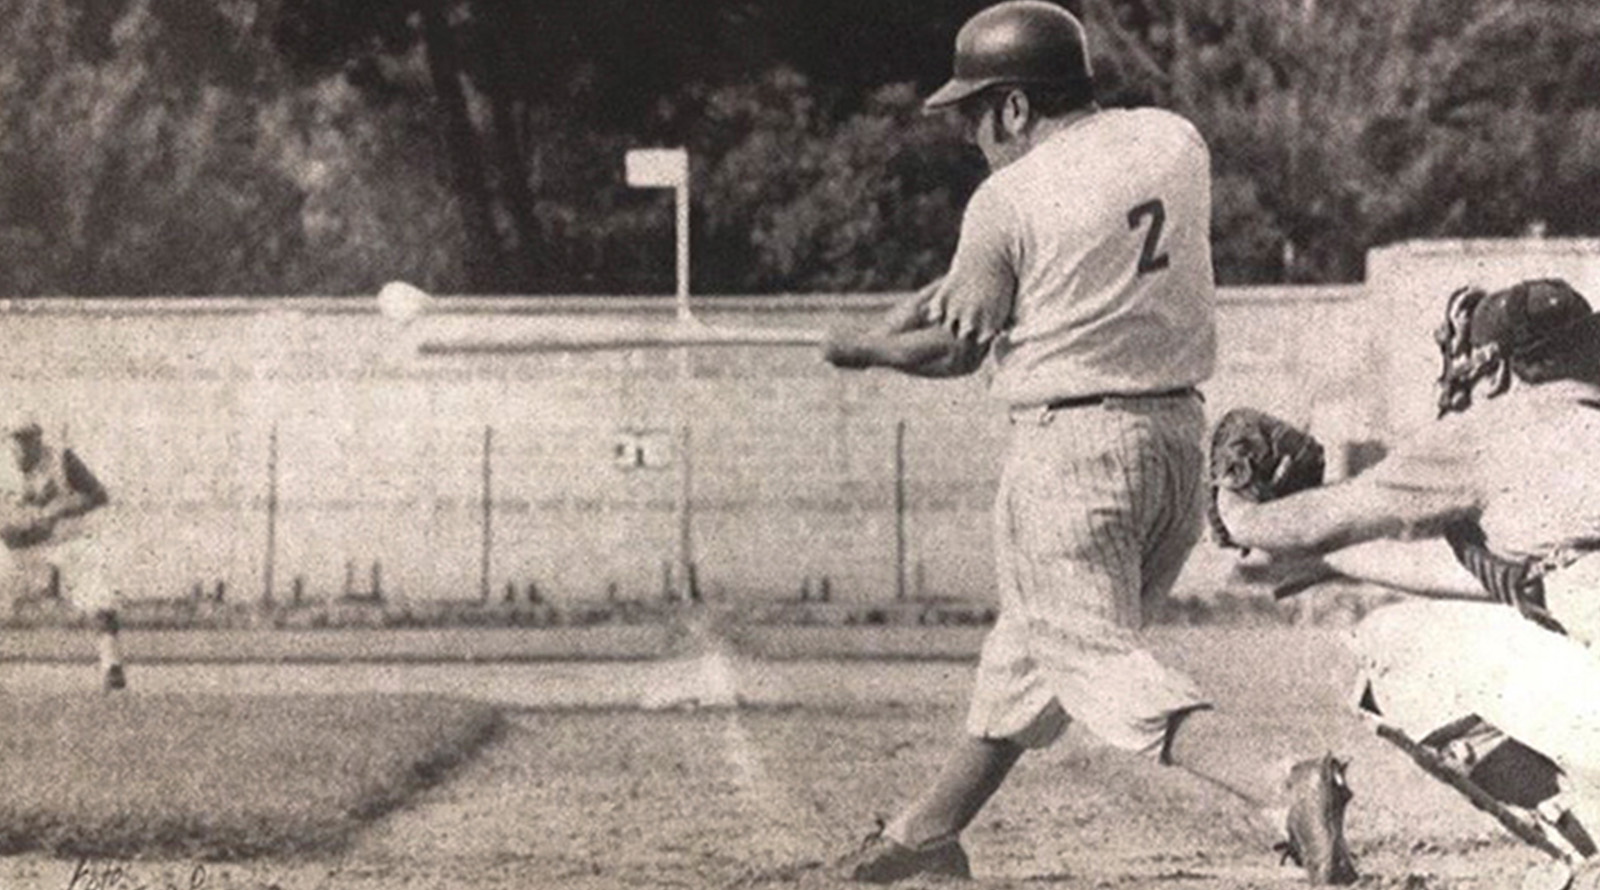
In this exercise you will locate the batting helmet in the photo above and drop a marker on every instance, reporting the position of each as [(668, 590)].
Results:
[(1487, 335), (1016, 42)]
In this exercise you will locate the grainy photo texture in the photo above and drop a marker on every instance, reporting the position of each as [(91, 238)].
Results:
[(612, 445)]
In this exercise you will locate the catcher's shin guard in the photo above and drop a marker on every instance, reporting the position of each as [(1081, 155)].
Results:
[(1549, 829)]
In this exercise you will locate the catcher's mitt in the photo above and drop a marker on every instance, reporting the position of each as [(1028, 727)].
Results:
[(1261, 457)]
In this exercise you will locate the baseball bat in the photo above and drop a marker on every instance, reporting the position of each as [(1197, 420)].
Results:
[(533, 335), (598, 334)]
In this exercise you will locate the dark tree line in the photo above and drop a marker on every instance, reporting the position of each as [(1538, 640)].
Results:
[(324, 146)]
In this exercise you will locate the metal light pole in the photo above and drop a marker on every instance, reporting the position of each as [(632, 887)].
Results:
[(669, 168)]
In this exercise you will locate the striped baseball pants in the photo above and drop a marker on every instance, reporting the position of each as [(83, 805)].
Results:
[(1097, 511)]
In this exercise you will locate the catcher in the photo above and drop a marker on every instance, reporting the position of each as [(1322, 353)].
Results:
[(46, 493), (1492, 513)]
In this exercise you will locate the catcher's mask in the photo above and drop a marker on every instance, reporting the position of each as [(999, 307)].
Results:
[(1485, 334)]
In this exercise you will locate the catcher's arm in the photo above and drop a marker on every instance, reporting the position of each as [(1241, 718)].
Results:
[(1320, 520), (1425, 567)]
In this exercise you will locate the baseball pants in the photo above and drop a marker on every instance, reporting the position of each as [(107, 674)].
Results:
[(1097, 511), (1429, 663)]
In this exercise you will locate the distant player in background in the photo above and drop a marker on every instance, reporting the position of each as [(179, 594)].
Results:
[(46, 493), (1083, 268)]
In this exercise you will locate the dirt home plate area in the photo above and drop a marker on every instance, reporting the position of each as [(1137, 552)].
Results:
[(718, 769)]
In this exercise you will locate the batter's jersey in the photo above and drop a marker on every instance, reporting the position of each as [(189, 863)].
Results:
[(1101, 236)]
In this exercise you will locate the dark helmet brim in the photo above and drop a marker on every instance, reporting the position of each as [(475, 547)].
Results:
[(955, 90)]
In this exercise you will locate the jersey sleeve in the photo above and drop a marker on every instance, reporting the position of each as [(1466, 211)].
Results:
[(984, 269)]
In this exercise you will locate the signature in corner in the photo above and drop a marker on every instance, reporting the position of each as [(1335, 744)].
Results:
[(87, 875)]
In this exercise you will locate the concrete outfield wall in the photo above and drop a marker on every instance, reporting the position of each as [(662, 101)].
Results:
[(380, 457)]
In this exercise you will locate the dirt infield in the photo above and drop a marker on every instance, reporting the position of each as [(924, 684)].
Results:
[(590, 797)]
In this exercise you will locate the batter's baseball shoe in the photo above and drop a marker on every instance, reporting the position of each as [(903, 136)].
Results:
[(882, 860), (1318, 796), (115, 678)]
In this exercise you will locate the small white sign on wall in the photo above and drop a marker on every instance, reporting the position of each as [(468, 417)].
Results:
[(642, 449)]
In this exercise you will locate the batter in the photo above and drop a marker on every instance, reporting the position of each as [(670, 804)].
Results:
[(1083, 276)]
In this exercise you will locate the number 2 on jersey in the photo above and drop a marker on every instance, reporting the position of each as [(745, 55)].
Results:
[(1149, 259)]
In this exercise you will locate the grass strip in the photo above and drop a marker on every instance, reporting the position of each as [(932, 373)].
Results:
[(219, 777)]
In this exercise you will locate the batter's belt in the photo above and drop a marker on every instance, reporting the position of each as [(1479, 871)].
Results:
[(1101, 398), (1037, 412)]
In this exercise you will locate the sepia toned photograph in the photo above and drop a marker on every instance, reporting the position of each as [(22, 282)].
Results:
[(759, 444)]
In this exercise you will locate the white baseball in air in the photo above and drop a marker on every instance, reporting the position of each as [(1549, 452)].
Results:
[(400, 302)]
